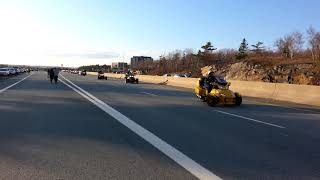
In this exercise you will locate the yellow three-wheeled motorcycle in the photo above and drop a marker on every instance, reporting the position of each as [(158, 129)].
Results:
[(219, 94)]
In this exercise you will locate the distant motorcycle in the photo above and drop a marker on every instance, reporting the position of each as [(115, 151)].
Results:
[(102, 76), (131, 79), (83, 73)]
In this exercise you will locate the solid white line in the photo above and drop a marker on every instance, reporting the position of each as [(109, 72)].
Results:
[(4, 89), (250, 119), (180, 158), (150, 94)]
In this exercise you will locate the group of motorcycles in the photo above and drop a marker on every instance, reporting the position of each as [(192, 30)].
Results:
[(211, 89), (129, 77)]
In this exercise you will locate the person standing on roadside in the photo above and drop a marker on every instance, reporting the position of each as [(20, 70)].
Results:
[(51, 75), (55, 75), (48, 73)]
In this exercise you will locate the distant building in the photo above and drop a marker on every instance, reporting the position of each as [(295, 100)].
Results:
[(136, 60), (119, 66)]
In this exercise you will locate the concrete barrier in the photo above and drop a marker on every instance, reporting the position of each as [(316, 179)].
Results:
[(302, 94), (152, 79), (182, 82), (254, 89), (92, 73)]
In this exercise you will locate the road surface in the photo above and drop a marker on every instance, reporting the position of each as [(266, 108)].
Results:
[(84, 128)]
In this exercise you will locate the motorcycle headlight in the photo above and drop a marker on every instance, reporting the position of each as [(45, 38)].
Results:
[(219, 93)]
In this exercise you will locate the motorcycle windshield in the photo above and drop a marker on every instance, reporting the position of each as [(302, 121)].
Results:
[(221, 81)]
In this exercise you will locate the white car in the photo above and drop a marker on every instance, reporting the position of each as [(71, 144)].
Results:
[(177, 76), (18, 70), (12, 71), (4, 72)]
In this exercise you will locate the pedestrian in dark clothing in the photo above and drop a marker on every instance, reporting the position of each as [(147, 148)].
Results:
[(51, 74), (55, 75)]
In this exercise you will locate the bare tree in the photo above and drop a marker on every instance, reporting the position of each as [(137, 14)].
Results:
[(290, 44), (283, 46), (297, 43), (314, 42)]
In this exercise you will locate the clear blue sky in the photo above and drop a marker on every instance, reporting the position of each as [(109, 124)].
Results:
[(142, 26)]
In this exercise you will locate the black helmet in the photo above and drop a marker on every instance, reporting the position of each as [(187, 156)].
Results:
[(211, 73)]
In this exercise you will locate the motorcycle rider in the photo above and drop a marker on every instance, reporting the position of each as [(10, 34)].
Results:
[(209, 80), (101, 74), (128, 74)]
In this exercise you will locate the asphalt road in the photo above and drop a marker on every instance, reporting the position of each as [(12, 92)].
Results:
[(50, 131)]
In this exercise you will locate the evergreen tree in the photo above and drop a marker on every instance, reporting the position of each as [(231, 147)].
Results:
[(258, 48), (243, 50), (208, 47)]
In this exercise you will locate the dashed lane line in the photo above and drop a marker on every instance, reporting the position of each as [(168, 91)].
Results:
[(282, 106), (250, 119), (150, 94)]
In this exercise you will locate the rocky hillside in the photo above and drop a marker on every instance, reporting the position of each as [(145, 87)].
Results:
[(307, 73)]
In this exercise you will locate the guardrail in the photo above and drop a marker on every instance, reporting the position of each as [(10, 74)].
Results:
[(302, 94)]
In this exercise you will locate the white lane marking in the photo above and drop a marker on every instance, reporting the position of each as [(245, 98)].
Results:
[(150, 94), (177, 156), (4, 89), (250, 119), (277, 105)]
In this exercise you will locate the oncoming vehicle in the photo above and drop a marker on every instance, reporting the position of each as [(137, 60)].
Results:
[(75, 72), (131, 79), (218, 92), (102, 76), (83, 73)]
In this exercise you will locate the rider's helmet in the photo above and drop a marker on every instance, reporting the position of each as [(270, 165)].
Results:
[(210, 73)]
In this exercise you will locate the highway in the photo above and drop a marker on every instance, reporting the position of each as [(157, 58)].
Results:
[(84, 128)]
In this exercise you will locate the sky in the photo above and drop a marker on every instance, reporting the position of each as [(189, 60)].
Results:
[(84, 32)]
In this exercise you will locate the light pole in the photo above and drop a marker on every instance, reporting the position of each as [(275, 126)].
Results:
[(123, 62)]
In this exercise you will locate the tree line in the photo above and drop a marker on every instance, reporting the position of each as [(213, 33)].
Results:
[(293, 46)]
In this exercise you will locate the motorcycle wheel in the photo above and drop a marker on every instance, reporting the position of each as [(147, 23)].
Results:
[(238, 99), (212, 101)]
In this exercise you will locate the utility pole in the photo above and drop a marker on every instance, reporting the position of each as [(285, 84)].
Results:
[(123, 62)]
